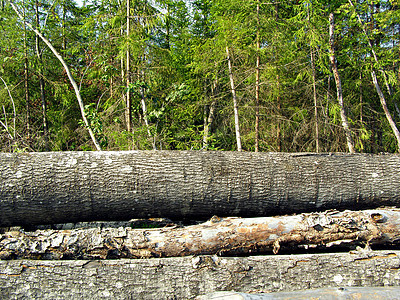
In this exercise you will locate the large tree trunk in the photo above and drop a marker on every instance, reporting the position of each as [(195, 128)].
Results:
[(187, 277), (61, 187), (230, 236)]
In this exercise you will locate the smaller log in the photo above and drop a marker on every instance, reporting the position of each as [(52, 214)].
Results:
[(188, 277), (227, 236), (377, 293)]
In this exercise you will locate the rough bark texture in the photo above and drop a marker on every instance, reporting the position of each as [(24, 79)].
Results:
[(185, 278), (63, 187), (230, 236)]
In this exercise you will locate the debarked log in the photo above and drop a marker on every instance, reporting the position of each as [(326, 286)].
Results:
[(188, 277), (63, 187), (227, 236)]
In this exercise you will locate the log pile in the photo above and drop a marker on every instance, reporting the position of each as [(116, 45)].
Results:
[(258, 205)]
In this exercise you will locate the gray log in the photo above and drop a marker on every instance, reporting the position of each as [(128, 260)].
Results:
[(188, 277), (348, 293), (62, 187), (229, 236)]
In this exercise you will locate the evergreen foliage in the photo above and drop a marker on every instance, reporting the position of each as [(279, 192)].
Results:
[(178, 80)]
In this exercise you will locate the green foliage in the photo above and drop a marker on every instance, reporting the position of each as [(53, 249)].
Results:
[(178, 70), (95, 124)]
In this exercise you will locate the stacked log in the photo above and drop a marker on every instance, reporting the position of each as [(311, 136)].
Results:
[(260, 204)]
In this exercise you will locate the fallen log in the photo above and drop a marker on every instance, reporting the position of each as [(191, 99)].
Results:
[(359, 293), (187, 277), (228, 236), (62, 187)]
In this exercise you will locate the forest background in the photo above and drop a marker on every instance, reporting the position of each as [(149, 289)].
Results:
[(246, 75)]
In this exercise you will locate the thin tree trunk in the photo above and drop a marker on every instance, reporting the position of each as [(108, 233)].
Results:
[(209, 112), (60, 187), (315, 102), (26, 77), (374, 78), (397, 109), (314, 90), (386, 110), (189, 277), (361, 102), (41, 81), (257, 125), (345, 123), (372, 50), (144, 109), (279, 135), (67, 70), (128, 112), (235, 105)]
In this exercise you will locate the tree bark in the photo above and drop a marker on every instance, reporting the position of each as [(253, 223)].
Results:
[(345, 123), (229, 236), (188, 277), (61, 187)]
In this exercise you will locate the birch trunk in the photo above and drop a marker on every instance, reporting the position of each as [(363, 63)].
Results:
[(209, 112), (61, 187), (26, 76), (315, 101), (67, 70), (41, 81), (144, 110), (345, 123), (235, 105), (386, 110), (257, 123), (128, 112), (378, 90)]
